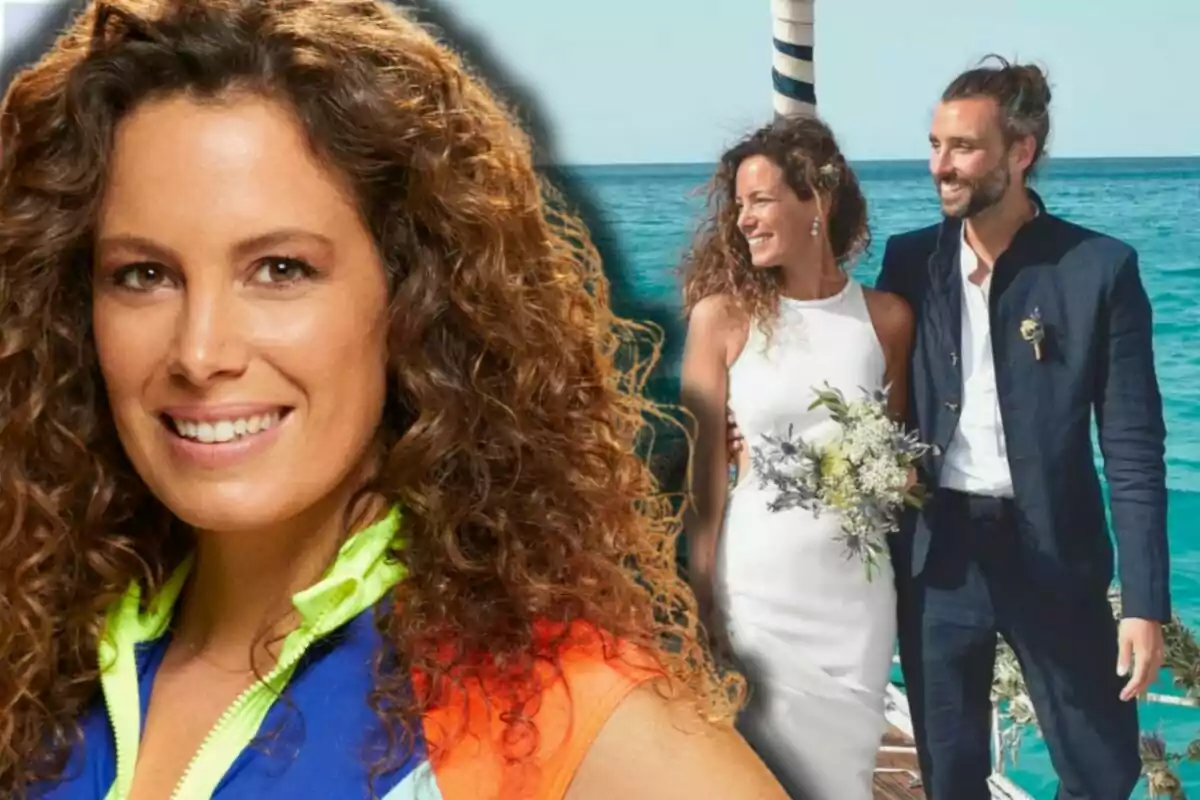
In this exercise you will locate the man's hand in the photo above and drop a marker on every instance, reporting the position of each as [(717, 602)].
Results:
[(733, 437), (1140, 641)]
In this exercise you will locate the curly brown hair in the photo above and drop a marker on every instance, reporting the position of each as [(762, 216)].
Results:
[(510, 426), (718, 259)]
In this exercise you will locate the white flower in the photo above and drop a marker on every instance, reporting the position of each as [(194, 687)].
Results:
[(859, 470)]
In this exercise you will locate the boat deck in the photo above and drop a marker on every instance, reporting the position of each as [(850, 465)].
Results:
[(896, 776)]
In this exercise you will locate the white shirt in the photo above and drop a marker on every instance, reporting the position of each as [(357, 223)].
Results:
[(977, 458)]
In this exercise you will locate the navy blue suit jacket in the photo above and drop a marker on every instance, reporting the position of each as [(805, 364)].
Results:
[(1097, 357)]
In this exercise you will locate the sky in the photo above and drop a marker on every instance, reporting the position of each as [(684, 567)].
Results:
[(667, 81), (637, 81)]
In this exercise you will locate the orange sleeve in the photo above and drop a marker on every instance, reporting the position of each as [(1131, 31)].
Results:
[(476, 755)]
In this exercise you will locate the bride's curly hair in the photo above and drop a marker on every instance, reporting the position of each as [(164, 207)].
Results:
[(515, 401), (718, 259)]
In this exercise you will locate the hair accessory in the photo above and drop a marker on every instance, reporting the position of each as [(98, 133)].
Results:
[(828, 177)]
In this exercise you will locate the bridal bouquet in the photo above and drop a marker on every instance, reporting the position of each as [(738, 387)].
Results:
[(862, 473)]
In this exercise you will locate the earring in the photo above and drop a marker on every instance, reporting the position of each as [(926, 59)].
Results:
[(816, 226)]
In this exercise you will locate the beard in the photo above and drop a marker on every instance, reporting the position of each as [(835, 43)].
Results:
[(979, 194)]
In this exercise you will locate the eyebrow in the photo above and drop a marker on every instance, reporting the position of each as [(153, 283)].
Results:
[(254, 244), (959, 139)]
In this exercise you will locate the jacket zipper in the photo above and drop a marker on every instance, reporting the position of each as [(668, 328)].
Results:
[(122, 724), (258, 697), (279, 676)]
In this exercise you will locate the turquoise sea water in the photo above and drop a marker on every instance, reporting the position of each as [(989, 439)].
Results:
[(643, 216)]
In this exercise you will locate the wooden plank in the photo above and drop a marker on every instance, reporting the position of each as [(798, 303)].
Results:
[(903, 785)]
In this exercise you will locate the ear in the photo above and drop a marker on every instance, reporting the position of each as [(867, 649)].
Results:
[(820, 205), (823, 200), (1020, 154)]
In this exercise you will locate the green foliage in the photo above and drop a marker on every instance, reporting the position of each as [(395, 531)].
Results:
[(1159, 763)]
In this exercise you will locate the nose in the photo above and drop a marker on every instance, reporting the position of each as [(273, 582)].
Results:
[(209, 342), (746, 221), (939, 162)]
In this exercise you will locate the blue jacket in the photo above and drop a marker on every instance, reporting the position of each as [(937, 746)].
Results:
[(316, 743), (1096, 357)]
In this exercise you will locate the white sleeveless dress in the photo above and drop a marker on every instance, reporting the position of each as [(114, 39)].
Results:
[(812, 634)]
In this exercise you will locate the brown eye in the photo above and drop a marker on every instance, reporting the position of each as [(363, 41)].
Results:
[(281, 271), (140, 277)]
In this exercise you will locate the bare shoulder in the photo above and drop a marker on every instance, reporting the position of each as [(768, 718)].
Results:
[(654, 747), (891, 315), (717, 312), (718, 321)]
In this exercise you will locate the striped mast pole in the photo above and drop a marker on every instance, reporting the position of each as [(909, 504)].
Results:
[(792, 61)]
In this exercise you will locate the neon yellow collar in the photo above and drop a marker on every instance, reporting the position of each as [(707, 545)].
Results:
[(361, 574)]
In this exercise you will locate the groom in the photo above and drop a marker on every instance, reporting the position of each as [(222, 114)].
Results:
[(1026, 324)]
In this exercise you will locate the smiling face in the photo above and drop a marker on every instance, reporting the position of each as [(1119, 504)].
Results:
[(777, 224), (973, 168), (239, 309)]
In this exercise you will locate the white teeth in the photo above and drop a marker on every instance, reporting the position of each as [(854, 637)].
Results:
[(225, 430)]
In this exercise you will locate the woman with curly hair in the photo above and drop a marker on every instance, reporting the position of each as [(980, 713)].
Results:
[(317, 475), (773, 316)]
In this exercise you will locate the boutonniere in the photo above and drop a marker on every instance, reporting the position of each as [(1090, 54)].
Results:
[(1033, 332)]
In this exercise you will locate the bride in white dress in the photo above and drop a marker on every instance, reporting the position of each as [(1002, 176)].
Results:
[(772, 317)]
